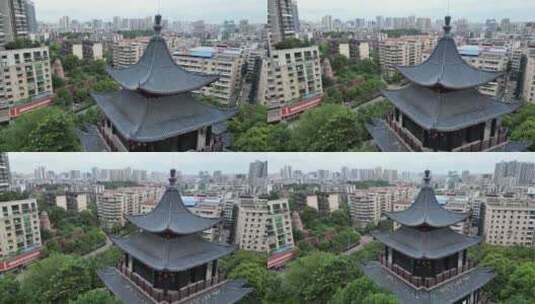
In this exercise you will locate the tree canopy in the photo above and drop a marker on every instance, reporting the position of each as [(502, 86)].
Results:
[(44, 130)]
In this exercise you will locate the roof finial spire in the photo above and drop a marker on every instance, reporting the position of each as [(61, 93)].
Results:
[(158, 24), (427, 178), (172, 179)]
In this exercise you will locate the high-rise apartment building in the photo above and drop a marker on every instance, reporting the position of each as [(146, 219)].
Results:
[(488, 59), (514, 173), (366, 206), (20, 234), (258, 173), (508, 222), (25, 81), (324, 203), (31, 16), (126, 53), (113, 205), (291, 82), (404, 51), (226, 62), (72, 201), (528, 91), (14, 20), (5, 173), (264, 226), (281, 20), (355, 49)]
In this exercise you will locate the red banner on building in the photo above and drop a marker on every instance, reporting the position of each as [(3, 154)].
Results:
[(20, 260), (280, 259), (16, 111), (300, 107)]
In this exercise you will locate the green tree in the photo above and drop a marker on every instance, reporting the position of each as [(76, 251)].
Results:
[(58, 279), (327, 129), (10, 291), (63, 98), (355, 292), (96, 296), (521, 282), (264, 138), (106, 85), (317, 277), (380, 298), (526, 132), (44, 130)]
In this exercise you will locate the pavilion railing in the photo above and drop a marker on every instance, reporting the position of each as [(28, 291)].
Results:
[(484, 145), (476, 146), (159, 295), (406, 137), (419, 282)]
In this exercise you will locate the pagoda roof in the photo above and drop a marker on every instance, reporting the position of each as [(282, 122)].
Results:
[(448, 293), (149, 119), (447, 111), (173, 254), (171, 215), (157, 73), (446, 68), (426, 211), (433, 244), (229, 292)]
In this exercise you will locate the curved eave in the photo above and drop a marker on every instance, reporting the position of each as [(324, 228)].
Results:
[(403, 218), (160, 264), (133, 130), (456, 243), (430, 123), (408, 71), (446, 68), (119, 76), (137, 220)]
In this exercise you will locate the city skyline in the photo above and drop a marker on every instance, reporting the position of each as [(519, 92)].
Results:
[(238, 163), (310, 10)]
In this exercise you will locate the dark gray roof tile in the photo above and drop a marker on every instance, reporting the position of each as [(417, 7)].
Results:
[(434, 244), (449, 293), (175, 254), (143, 119), (447, 69), (449, 111), (170, 215), (157, 73)]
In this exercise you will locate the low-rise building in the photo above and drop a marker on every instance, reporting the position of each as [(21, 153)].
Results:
[(20, 234), (264, 226), (508, 221), (25, 81)]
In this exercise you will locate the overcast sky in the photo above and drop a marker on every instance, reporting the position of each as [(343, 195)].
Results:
[(192, 163), (255, 10)]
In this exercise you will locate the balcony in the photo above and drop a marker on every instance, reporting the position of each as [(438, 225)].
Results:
[(175, 297), (426, 283)]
